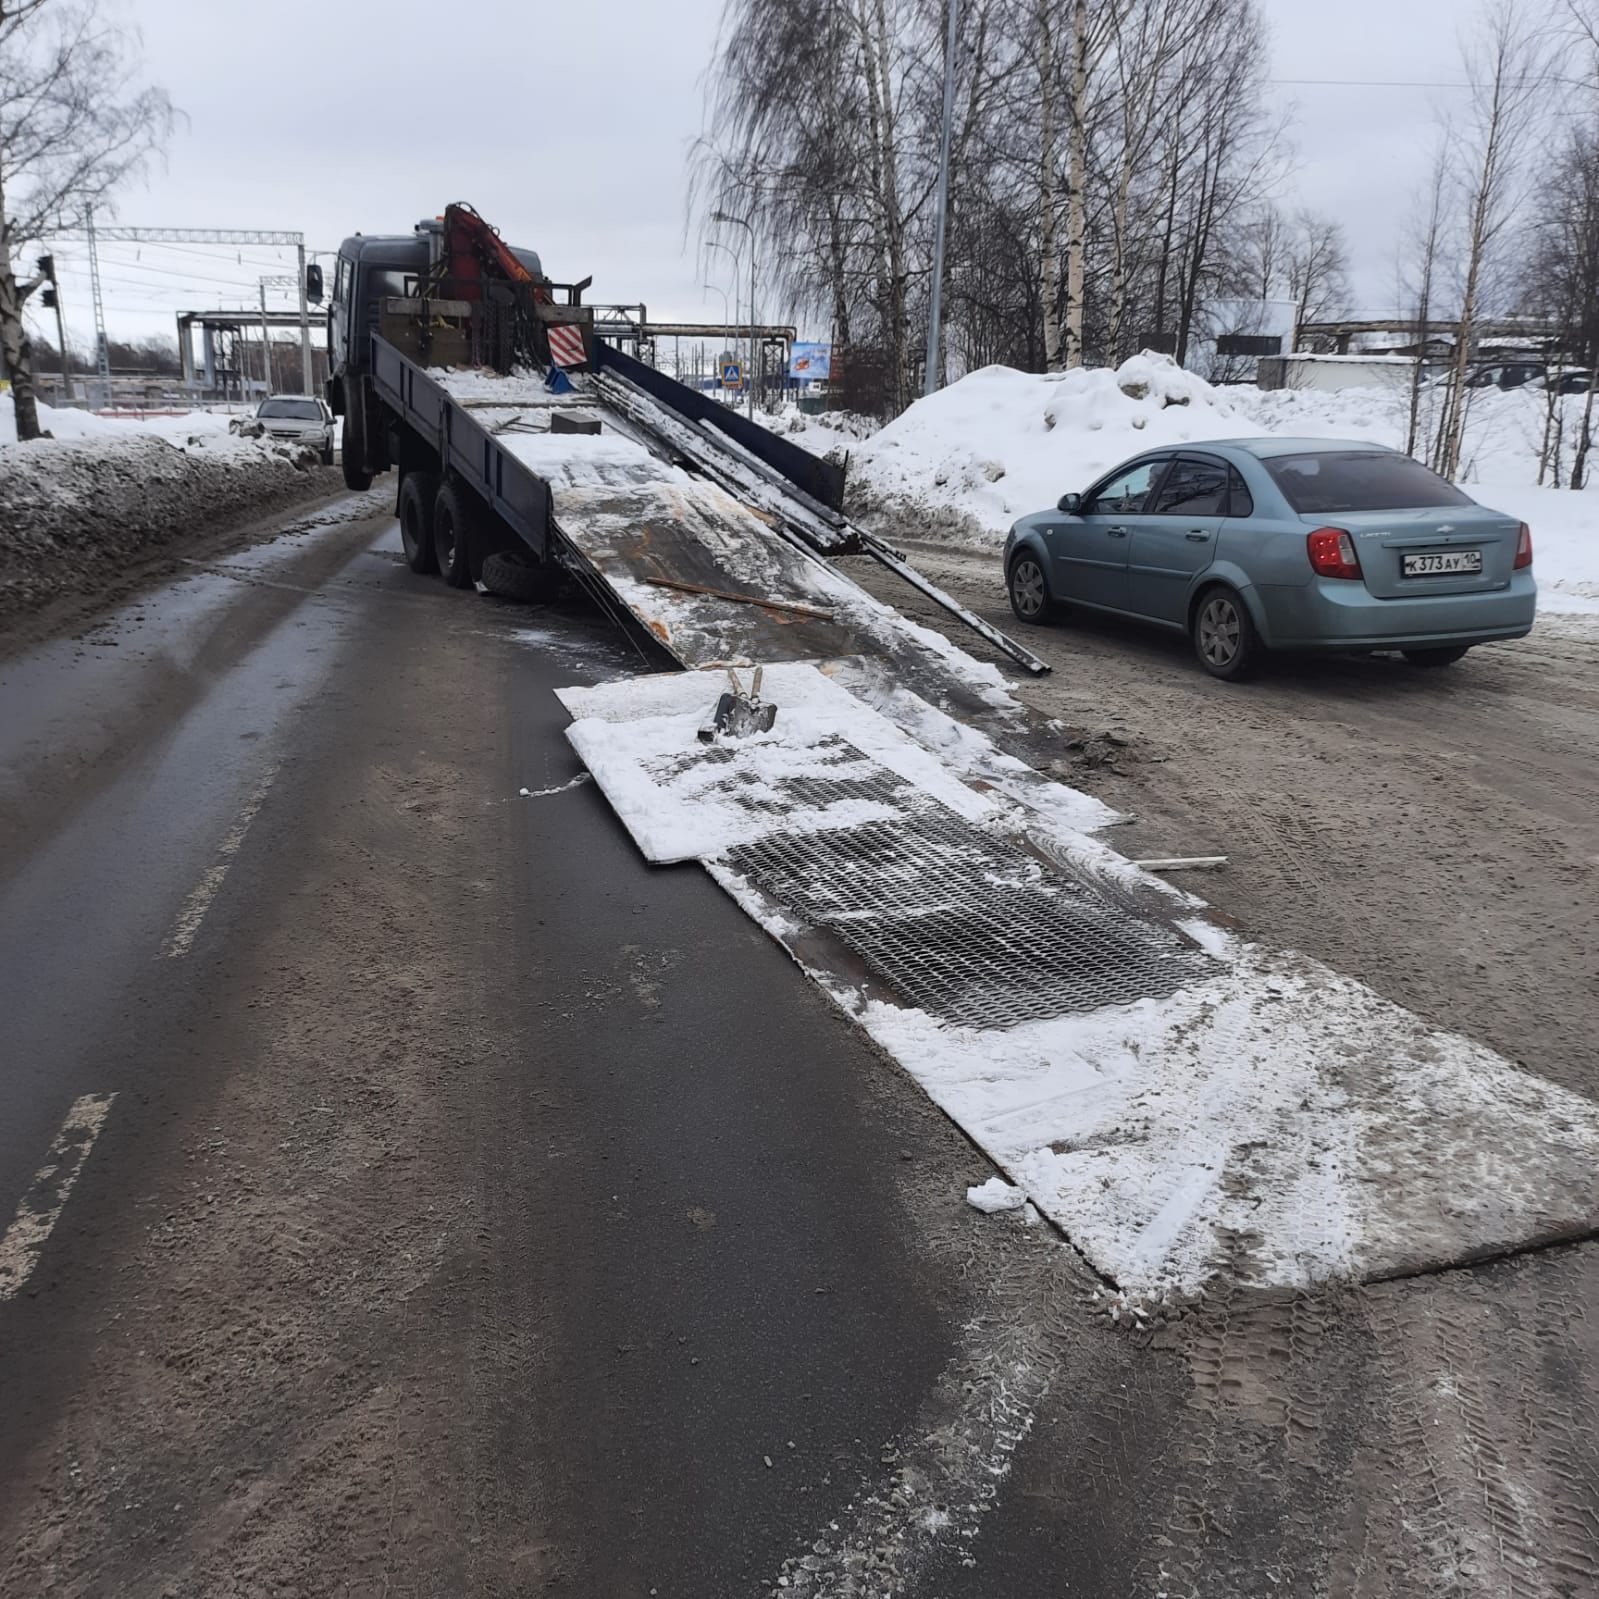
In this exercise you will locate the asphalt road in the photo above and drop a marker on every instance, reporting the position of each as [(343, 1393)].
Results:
[(437, 1201), (478, 1210)]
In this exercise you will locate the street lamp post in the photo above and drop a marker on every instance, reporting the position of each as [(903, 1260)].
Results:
[(745, 223), (727, 334)]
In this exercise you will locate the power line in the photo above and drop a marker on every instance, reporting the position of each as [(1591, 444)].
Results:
[(1365, 83)]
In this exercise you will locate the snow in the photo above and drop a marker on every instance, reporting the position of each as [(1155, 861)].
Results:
[(68, 425), (967, 461), (682, 799), (995, 1195), (1279, 1125)]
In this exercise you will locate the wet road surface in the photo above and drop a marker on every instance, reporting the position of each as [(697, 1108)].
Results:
[(436, 1200)]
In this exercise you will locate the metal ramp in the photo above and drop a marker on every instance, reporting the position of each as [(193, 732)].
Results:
[(719, 557)]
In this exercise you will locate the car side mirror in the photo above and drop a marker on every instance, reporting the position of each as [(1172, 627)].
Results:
[(1071, 504)]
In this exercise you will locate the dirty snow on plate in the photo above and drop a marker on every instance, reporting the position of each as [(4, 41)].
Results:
[(1278, 1125)]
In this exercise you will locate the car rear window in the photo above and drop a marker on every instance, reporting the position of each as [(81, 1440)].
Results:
[(299, 410), (1348, 480)]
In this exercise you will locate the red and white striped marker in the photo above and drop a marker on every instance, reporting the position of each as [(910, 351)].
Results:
[(566, 344)]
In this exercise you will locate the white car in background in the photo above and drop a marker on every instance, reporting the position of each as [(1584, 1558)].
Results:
[(293, 419)]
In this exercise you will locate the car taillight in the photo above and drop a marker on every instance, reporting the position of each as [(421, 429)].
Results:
[(1523, 548), (1332, 553)]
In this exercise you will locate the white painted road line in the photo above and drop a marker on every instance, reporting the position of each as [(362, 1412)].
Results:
[(200, 897), (41, 1205)]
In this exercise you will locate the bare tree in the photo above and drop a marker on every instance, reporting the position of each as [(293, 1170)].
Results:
[(1507, 62), (1317, 270), (73, 125), (1104, 156), (1428, 236)]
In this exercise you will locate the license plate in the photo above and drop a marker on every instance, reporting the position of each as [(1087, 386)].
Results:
[(1440, 564)]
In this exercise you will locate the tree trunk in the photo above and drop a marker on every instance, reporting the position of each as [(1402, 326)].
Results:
[(16, 352), (1579, 462), (1049, 252), (1077, 194), (899, 341)]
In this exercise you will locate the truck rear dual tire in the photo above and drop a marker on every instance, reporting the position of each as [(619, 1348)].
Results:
[(418, 493), (454, 532)]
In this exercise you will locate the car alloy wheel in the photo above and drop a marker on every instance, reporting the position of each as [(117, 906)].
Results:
[(1028, 596), (1221, 631)]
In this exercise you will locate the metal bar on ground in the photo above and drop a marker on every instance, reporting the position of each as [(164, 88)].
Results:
[(1002, 642)]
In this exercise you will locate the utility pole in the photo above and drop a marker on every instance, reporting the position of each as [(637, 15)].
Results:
[(722, 216), (266, 344), (305, 330), (936, 310), (102, 350), (52, 298)]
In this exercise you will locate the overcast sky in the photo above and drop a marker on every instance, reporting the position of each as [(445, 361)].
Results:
[(571, 128)]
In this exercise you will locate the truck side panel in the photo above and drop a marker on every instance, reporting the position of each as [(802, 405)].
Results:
[(514, 493)]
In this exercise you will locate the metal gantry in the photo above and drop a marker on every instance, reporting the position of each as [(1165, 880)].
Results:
[(277, 237)]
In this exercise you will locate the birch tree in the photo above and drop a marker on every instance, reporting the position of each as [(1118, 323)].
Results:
[(1507, 63), (74, 124)]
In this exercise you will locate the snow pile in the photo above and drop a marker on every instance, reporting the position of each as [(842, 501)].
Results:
[(994, 1196), (967, 461), (75, 512), (970, 459), (67, 425)]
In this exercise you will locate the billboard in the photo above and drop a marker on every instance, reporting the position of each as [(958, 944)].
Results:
[(811, 363)]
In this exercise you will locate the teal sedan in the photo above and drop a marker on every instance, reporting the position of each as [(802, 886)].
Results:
[(1253, 545)]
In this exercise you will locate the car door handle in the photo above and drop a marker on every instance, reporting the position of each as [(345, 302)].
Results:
[(1198, 536), (1116, 532)]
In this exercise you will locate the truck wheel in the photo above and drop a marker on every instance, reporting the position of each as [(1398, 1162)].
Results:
[(515, 578), (354, 447), (452, 536), (417, 494)]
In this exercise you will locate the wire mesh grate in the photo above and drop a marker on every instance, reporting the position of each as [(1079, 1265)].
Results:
[(966, 926)]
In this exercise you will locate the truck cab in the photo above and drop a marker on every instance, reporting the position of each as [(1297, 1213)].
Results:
[(372, 279)]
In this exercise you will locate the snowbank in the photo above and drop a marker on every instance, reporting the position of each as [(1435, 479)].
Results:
[(73, 512), (80, 426), (966, 462), (970, 459)]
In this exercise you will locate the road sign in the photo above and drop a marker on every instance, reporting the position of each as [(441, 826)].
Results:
[(732, 375), (811, 363)]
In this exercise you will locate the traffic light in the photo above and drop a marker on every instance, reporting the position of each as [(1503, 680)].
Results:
[(313, 283), (47, 268), (47, 298)]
